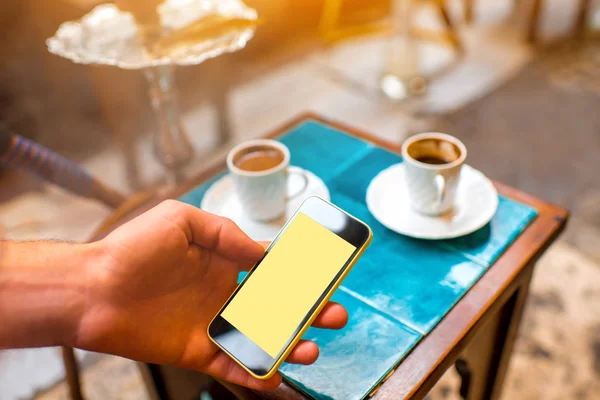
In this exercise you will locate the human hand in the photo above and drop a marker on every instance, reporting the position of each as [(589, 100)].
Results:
[(161, 279)]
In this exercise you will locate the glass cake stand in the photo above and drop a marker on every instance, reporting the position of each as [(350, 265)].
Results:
[(154, 36)]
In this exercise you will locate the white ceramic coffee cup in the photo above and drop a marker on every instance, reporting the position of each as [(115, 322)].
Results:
[(432, 187), (263, 195)]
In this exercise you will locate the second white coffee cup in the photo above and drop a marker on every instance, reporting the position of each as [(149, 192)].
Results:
[(433, 162)]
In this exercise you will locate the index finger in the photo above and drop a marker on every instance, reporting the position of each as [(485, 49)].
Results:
[(214, 232)]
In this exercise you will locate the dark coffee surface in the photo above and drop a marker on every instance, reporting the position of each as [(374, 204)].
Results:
[(259, 160), (433, 160), (434, 151)]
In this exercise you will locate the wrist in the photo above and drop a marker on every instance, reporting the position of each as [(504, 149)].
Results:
[(89, 258), (43, 292), (93, 262)]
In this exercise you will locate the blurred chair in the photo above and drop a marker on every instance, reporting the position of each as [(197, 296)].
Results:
[(450, 35), (346, 19), (342, 20), (537, 8), (21, 153)]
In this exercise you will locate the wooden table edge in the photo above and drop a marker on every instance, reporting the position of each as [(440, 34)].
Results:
[(452, 336), (529, 246)]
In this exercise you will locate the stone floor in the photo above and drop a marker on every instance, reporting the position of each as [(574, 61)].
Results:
[(557, 353), (558, 350)]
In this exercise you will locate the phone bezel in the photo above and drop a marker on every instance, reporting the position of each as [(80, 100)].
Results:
[(255, 360)]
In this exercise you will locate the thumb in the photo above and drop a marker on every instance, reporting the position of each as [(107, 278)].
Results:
[(248, 266)]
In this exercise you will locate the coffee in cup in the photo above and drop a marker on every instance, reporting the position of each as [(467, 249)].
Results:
[(260, 170), (432, 165), (259, 158)]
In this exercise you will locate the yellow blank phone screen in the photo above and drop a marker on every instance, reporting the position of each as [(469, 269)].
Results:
[(287, 283)]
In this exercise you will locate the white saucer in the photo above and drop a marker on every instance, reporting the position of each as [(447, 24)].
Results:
[(476, 204), (220, 199)]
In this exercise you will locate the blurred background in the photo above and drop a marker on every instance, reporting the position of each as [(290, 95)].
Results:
[(517, 80)]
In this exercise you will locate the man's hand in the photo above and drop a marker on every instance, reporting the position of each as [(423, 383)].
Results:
[(161, 279)]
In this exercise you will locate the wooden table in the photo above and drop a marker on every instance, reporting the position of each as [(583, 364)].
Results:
[(479, 331)]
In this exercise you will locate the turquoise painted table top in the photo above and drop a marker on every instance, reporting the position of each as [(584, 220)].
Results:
[(401, 287)]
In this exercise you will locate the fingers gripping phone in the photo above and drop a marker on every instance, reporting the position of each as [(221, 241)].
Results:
[(265, 317)]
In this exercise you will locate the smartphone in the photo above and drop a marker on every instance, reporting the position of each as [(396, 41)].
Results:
[(284, 292)]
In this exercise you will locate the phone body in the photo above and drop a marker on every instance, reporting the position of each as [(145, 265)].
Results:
[(284, 292)]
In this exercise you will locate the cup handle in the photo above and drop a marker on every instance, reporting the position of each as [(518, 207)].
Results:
[(300, 172), (440, 183)]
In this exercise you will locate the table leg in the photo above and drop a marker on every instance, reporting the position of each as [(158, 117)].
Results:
[(450, 28), (220, 101), (164, 382), (220, 71), (72, 373), (468, 10), (580, 25), (484, 361), (533, 22), (120, 96)]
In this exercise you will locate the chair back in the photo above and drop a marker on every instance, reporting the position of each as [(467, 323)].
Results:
[(19, 152), (345, 19)]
